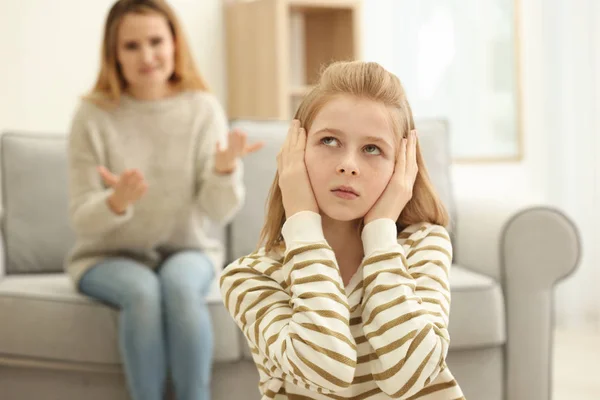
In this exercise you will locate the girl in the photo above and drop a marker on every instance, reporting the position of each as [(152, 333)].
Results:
[(146, 172), (349, 297)]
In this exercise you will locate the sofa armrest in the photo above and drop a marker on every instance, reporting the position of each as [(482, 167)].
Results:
[(528, 251), (540, 247)]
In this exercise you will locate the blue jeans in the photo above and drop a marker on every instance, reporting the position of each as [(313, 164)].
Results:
[(163, 319)]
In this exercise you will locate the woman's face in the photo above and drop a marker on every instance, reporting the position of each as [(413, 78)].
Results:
[(350, 156), (145, 50)]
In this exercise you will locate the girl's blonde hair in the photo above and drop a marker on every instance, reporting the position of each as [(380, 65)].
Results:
[(371, 81), (111, 81)]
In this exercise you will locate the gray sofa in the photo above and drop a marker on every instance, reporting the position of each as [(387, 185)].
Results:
[(58, 344)]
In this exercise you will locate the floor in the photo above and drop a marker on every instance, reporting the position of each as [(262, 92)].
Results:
[(576, 368)]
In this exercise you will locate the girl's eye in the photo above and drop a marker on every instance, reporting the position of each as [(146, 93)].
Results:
[(372, 149), (156, 41), (329, 141)]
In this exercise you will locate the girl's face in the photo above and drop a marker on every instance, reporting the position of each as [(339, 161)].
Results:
[(350, 156), (145, 50)]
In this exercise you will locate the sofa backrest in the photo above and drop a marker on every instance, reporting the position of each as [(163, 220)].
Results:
[(260, 169), (34, 186), (35, 222)]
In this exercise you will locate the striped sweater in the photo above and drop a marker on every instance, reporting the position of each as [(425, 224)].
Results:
[(383, 336)]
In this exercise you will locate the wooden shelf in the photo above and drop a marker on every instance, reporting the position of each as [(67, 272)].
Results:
[(311, 5), (261, 38)]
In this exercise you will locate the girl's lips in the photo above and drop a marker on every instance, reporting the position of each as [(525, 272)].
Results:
[(345, 193)]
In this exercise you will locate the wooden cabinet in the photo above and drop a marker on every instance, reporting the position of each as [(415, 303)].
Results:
[(277, 48)]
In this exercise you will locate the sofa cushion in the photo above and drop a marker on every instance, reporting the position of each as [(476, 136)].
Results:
[(43, 317), (260, 168), (34, 201), (477, 313)]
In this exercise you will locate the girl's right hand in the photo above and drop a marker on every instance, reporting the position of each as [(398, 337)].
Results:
[(128, 188), (294, 183)]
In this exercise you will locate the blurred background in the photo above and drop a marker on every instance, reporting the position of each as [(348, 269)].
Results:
[(518, 82)]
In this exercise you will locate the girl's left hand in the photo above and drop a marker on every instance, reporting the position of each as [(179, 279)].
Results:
[(400, 187), (226, 158)]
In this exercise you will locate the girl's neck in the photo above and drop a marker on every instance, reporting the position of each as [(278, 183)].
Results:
[(340, 232), (344, 238)]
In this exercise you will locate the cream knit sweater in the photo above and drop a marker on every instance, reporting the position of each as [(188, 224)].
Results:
[(172, 142)]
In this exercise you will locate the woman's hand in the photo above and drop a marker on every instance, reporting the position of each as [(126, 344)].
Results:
[(226, 158), (400, 187), (128, 188), (294, 183)]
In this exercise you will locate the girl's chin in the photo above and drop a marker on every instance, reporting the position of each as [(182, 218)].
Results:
[(341, 216)]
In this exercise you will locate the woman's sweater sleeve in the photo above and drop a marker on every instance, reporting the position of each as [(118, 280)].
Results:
[(89, 212), (405, 306), (301, 327), (219, 196)]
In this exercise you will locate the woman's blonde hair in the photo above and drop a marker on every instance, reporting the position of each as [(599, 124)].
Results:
[(111, 81), (371, 81)]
